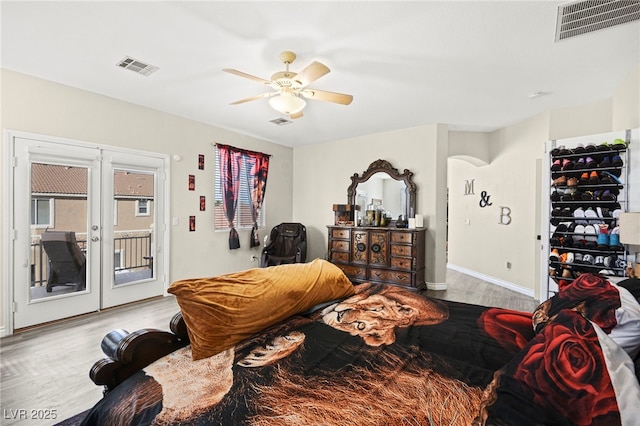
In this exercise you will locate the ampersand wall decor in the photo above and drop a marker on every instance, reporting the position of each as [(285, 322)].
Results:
[(484, 199)]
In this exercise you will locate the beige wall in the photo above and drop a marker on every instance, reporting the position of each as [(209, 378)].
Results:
[(322, 175), (37, 106)]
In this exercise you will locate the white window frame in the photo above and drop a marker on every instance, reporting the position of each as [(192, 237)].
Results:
[(147, 208), (52, 204)]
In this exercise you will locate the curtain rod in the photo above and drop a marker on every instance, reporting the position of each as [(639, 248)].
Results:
[(240, 149)]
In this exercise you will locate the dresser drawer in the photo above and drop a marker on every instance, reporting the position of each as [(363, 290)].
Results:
[(401, 250), (353, 271), (338, 256), (342, 234), (340, 245), (394, 277), (402, 263), (402, 237)]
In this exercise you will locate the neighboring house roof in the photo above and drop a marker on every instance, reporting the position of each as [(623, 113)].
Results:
[(65, 180)]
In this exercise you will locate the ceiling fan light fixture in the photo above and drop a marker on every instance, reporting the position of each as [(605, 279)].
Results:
[(287, 104)]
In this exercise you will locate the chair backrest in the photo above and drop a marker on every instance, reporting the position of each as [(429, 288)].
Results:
[(65, 256), (287, 244)]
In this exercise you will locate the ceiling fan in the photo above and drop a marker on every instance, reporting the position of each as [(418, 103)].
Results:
[(290, 87)]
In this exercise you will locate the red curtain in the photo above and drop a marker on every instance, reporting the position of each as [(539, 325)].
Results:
[(257, 167), (230, 158)]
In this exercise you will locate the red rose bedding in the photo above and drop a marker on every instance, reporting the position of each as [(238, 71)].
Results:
[(389, 356)]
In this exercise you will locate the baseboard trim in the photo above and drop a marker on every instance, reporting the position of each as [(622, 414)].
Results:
[(506, 284), (3, 331), (437, 286)]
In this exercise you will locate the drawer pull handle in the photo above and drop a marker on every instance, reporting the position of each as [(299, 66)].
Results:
[(361, 246), (375, 248)]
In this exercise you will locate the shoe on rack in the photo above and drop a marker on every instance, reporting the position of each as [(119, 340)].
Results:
[(598, 261), (603, 238), (579, 149), (555, 255), (587, 196), (580, 163), (584, 179), (567, 164), (576, 258), (579, 215), (589, 213), (556, 150), (614, 239), (613, 177), (590, 163), (616, 161), (605, 163), (618, 144), (606, 272), (608, 196), (557, 165), (594, 178), (559, 181), (572, 182), (555, 195), (590, 147), (604, 146), (588, 259)]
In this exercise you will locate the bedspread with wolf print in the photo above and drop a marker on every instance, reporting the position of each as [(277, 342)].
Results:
[(385, 356)]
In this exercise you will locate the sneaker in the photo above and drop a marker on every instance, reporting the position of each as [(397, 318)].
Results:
[(608, 196), (560, 181), (579, 215), (557, 165), (603, 238), (579, 149), (605, 163), (584, 178), (618, 144), (594, 179), (556, 150), (590, 147), (577, 258), (617, 161), (590, 163), (613, 177), (579, 229), (572, 181), (614, 239), (555, 196), (555, 255), (588, 259), (598, 261), (567, 164)]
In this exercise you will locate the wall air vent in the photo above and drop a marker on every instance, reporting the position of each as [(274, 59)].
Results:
[(136, 66), (581, 17), (281, 121)]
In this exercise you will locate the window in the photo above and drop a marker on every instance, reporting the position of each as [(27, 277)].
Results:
[(243, 217), (42, 212), (142, 207)]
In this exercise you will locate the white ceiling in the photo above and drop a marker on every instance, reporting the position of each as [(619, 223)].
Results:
[(469, 64)]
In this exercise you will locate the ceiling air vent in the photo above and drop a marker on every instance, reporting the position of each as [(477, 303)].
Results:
[(581, 17), (136, 66), (281, 121)]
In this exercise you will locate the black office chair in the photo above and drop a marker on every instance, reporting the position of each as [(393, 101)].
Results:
[(287, 244), (67, 263)]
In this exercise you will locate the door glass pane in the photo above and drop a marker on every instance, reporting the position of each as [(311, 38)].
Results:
[(133, 230), (58, 230)]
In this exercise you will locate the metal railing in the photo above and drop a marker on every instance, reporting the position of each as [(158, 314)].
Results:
[(130, 252)]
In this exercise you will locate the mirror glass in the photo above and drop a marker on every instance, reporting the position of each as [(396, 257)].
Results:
[(382, 192), (382, 187)]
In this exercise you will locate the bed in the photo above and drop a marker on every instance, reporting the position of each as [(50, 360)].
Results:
[(300, 345)]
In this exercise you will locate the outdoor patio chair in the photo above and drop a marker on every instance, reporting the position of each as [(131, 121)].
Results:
[(67, 263)]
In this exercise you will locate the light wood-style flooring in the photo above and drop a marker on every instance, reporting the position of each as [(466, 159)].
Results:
[(47, 368)]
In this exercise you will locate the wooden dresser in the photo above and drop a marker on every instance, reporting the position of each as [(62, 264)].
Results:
[(389, 255)]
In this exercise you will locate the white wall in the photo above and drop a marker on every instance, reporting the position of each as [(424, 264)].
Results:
[(322, 175), (42, 107)]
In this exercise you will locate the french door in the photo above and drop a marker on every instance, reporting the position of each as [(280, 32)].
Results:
[(87, 228)]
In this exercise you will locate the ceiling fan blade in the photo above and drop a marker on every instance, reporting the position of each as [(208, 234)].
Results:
[(323, 95), (312, 72), (296, 115), (245, 75), (253, 98)]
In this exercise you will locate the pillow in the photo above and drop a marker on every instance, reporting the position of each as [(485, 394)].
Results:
[(610, 306), (222, 311)]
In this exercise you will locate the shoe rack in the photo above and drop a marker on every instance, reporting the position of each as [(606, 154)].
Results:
[(588, 191)]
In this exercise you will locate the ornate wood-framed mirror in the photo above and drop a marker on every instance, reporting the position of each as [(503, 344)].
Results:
[(383, 170)]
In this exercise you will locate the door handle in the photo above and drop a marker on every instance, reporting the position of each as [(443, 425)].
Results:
[(94, 239)]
